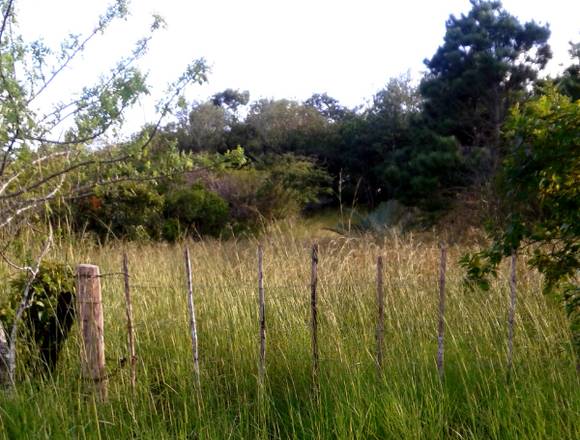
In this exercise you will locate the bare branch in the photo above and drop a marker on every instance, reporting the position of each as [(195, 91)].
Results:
[(14, 265), (29, 204), (5, 18), (66, 62), (24, 302), (8, 151), (35, 162)]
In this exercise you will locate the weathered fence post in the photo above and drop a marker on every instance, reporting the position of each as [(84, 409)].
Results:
[(192, 323), (511, 313), (130, 330), (262, 313), (4, 351), (91, 320), (314, 309), (441, 326), (381, 314)]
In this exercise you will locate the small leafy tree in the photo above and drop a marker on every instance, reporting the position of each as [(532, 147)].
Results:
[(195, 210), (291, 183), (487, 59), (540, 188), (327, 106), (204, 128), (283, 126), (232, 100), (36, 165), (50, 315)]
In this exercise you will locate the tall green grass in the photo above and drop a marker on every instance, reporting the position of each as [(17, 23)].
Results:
[(541, 401)]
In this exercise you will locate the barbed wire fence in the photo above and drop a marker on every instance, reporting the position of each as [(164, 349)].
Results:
[(91, 317)]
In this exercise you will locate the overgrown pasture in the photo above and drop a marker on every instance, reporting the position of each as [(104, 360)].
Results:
[(408, 400)]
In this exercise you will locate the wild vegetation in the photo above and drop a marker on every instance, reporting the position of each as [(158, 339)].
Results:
[(475, 400), (482, 155)]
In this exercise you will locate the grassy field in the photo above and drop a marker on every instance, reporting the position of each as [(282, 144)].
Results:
[(542, 400)]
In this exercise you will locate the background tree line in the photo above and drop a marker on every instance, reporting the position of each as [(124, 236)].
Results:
[(481, 117), (418, 144)]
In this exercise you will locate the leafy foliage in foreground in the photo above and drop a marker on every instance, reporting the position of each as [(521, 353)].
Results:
[(50, 314), (540, 186), (541, 194), (37, 165)]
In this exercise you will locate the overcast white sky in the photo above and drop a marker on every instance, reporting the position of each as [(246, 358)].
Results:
[(275, 48)]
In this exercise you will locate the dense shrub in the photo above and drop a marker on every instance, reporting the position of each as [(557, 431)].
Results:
[(223, 192), (275, 187), (196, 210), (292, 183), (539, 191), (50, 315), (131, 209), (239, 188)]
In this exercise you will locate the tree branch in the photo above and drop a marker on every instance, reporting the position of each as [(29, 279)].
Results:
[(24, 302), (5, 18)]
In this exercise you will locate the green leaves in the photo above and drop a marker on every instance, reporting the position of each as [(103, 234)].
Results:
[(480, 266), (487, 58), (37, 163), (197, 210), (540, 188), (52, 279)]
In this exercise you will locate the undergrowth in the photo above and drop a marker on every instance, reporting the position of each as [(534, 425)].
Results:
[(408, 401)]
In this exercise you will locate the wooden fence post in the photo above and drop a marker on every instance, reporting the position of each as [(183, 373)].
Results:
[(511, 313), (130, 329), (381, 314), (91, 320), (192, 322), (262, 314), (314, 309), (441, 326)]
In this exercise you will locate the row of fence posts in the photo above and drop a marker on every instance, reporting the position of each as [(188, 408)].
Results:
[(91, 320)]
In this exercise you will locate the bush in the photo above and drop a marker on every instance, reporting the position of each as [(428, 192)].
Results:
[(172, 230), (224, 190), (291, 183), (540, 194), (131, 209), (275, 187), (239, 188), (51, 312), (196, 210)]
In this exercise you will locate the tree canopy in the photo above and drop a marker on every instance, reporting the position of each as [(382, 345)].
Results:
[(487, 59)]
